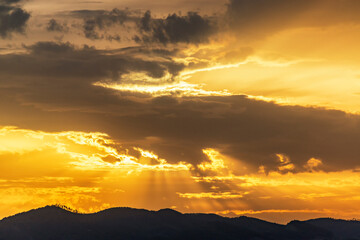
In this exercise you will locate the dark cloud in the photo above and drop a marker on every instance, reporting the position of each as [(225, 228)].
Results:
[(54, 26), (269, 13), (261, 17), (51, 88), (49, 67), (251, 19), (12, 18), (9, 1), (54, 48), (89, 29), (251, 131), (64, 59), (191, 28), (95, 21)]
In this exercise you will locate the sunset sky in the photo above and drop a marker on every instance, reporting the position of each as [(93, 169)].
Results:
[(234, 107)]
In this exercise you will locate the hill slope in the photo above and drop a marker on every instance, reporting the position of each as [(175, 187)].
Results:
[(125, 223)]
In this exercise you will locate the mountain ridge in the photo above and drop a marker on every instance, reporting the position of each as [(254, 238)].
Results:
[(57, 223)]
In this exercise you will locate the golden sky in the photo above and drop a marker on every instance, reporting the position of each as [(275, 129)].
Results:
[(235, 107)]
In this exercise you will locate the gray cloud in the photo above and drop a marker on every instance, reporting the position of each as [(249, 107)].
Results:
[(98, 20), (89, 62), (9, 1), (54, 26), (55, 74), (51, 88), (12, 18), (257, 18), (191, 28), (251, 131)]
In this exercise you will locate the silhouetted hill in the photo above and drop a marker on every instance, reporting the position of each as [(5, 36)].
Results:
[(342, 228), (55, 223)]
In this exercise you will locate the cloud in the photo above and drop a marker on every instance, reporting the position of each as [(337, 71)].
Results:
[(285, 163), (12, 18), (251, 131), (53, 83), (313, 164), (216, 163), (245, 18), (191, 28), (9, 1), (87, 62), (258, 18), (58, 73), (97, 21), (98, 150), (157, 116), (54, 26), (213, 195)]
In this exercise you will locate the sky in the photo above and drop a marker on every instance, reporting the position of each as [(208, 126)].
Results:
[(234, 107)]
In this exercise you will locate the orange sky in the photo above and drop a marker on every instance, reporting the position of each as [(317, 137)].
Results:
[(232, 107)]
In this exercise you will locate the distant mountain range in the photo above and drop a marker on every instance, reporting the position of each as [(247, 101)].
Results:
[(56, 223)]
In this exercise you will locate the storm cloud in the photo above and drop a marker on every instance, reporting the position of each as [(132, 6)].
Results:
[(55, 26), (58, 80), (49, 67), (96, 21), (12, 18), (55, 80), (191, 28), (262, 17)]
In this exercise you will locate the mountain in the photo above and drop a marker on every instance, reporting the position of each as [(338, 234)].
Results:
[(55, 223)]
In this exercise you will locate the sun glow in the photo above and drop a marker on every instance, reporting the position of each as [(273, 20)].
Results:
[(250, 60), (86, 170), (171, 89), (97, 148), (241, 107)]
